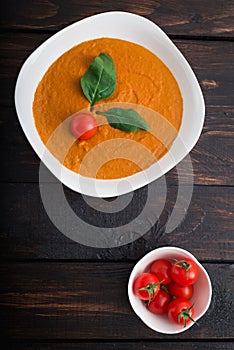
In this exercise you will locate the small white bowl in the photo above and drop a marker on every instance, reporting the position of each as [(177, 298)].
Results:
[(201, 297)]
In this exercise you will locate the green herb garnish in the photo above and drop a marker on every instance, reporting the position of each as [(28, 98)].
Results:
[(125, 119), (100, 79), (98, 83)]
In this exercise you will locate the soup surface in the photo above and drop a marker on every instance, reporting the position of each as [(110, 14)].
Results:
[(142, 79)]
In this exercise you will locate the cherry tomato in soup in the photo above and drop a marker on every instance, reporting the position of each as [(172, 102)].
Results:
[(162, 269), (146, 286), (83, 126), (178, 291), (160, 303), (181, 311), (184, 272)]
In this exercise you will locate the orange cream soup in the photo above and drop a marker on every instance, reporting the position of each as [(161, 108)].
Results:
[(142, 79)]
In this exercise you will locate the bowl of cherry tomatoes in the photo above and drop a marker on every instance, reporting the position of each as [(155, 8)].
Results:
[(169, 290)]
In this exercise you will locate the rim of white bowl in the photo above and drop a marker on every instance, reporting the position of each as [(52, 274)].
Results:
[(132, 277)]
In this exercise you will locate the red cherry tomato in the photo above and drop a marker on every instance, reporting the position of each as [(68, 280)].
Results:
[(181, 311), (83, 126), (184, 272), (178, 291), (160, 303), (162, 269), (146, 286)]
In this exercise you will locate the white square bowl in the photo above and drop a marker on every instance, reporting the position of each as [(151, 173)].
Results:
[(133, 28)]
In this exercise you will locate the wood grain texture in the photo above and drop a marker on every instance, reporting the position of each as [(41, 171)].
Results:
[(27, 232), (122, 346), (212, 156), (212, 18), (58, 301), (207, 59), (60, 295)]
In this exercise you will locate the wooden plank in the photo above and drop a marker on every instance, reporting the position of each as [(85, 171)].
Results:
[(169, 345), (206, 231), (212, 157), (212, 67), (210, 18), (89, 301)]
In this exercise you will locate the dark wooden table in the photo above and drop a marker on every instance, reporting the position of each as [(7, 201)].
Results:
[(57, 294)]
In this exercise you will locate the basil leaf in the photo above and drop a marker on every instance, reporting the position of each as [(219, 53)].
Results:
[(125, 119), (100, 79)]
